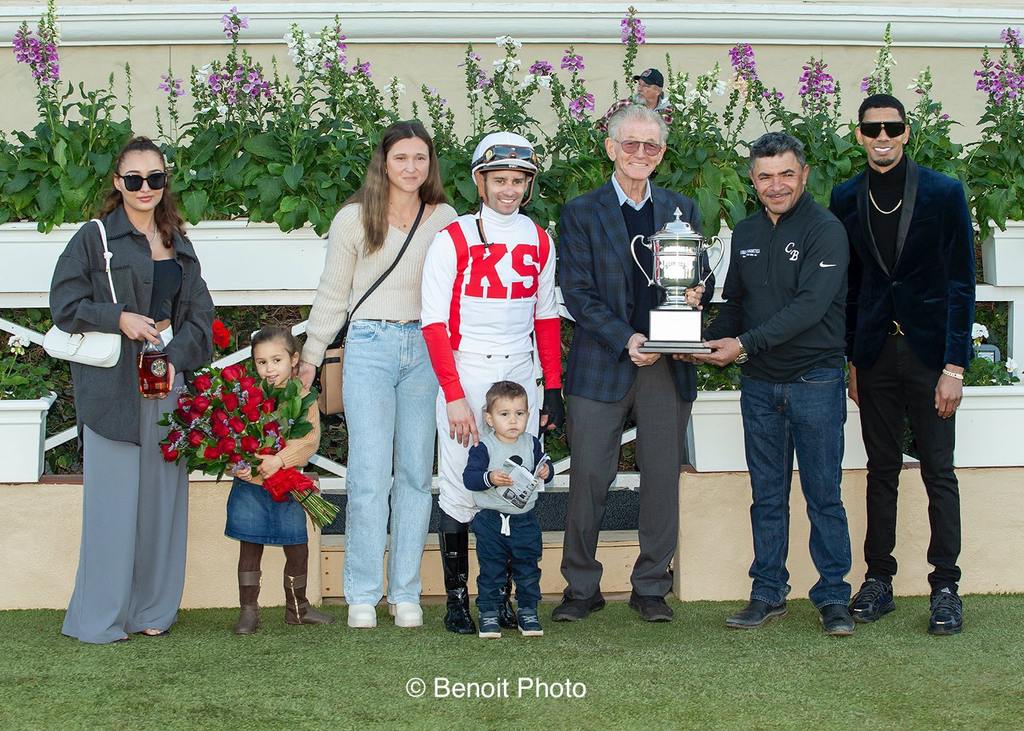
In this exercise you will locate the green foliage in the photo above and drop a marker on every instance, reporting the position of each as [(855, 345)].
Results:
[(983, 372)]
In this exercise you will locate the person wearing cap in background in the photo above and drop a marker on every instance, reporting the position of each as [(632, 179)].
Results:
[(488, 295), (650, 92)]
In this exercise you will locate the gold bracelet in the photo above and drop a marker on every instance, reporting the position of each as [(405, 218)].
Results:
[(951, 374)]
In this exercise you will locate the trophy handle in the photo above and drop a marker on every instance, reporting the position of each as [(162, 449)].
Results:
[(632, 252), (721, 256)]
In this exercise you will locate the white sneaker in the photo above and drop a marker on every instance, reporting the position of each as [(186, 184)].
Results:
[(363, 616), (406, 614)]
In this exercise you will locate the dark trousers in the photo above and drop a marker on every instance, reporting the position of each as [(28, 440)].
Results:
[(897, 384), (498, 555), (595, 432)]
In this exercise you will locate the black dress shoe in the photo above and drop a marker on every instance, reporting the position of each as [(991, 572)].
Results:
[(573, 610), (755, 614), (651, 608), (836, 620), (872, 601), (947, 613)]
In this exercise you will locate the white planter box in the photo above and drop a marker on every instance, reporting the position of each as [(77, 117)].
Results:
[(243, 262), (23, 432), (987, 422), (1002, 256), (988, 427)]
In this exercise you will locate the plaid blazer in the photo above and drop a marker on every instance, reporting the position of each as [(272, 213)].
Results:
[(596, 276)]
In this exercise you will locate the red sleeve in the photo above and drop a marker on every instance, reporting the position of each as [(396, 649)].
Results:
[(442, 358), (549, 349)]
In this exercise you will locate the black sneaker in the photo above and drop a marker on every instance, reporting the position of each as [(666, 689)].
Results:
[(947, 613), (872, 601), (651, 608), (573, 610), (836, 620), (755, 614)]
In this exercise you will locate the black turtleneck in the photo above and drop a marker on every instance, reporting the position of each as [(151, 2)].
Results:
[(887, 190)]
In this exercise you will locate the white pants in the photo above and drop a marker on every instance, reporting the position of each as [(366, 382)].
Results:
[(477, 374)]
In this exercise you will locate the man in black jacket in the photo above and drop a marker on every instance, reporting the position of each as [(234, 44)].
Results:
[(911, 307), (783, 321)]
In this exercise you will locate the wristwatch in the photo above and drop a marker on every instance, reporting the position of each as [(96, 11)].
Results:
[(742, 357)]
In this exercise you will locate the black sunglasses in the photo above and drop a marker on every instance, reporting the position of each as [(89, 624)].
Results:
[(873, 129), (133, 182)]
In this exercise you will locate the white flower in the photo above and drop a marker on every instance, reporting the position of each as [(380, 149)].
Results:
[(499, 65), (502, 41), (720, 88), (18, 343), (222, 109), (544, 81), (1011, 366), (527, 80), (979, 331), (513, 63), (396, 87)]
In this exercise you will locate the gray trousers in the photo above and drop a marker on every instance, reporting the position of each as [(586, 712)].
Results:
[(595, 430), (131, 565)]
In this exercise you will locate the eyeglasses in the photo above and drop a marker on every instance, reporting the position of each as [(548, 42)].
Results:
[(506, 152), (873, 129), (631, 147), (133, 182)]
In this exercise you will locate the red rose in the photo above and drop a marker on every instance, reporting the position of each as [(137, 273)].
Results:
[(195, 438), (203, 382), (221, 335), (247, 382), (169, 454), (184, 402), (200, 404), (211, 453), (255, 396), (251, 413), (218, 415), (267, 407), (226, 444), (234, 458), (219, 429), (232, 373), (173, 435), (230, 401), (237, 425), (250, 444), (267, 450), (271, 427)]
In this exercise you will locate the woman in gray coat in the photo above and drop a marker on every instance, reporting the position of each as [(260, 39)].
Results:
[(131, 566)]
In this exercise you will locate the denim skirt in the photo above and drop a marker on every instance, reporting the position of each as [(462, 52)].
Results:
[(253, 516)]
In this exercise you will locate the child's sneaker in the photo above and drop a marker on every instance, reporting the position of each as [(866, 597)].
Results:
[(529, 625), (490, 628)]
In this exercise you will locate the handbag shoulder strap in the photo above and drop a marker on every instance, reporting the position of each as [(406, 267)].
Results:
[(391, 268), (107, 256)]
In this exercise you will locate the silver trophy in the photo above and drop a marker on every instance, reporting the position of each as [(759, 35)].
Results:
[(677, 249)]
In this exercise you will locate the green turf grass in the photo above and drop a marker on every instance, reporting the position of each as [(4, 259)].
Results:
[(692, 673)]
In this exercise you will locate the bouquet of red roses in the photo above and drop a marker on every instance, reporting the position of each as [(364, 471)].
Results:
[(232, 419)]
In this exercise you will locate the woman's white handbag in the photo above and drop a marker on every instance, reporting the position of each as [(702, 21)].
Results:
[(102, 350)]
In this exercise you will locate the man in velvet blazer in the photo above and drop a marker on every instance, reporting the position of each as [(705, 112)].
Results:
[(608, 380), (909, 317)]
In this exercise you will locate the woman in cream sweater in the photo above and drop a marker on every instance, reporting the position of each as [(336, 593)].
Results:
[(389, 386)]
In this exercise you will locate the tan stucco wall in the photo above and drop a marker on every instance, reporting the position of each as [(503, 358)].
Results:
[(716, 550), (436, 65), (41, 527)]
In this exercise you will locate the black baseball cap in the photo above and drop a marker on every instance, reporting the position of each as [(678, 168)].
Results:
[(651, 76)]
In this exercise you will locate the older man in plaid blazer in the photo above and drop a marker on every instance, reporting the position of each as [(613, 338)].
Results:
[(609, 380)]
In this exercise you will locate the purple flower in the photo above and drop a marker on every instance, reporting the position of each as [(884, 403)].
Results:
[(541, 68), (232, 22), (580, 104), (815, 81), (482, 82), (741, 56), (170, 85), (865, 84), (362, 68), (1012, 37), (773, 95), (41, 57), (572, 61), (633, 30)]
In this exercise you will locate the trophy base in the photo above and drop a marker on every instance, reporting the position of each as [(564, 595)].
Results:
[(669, 346)]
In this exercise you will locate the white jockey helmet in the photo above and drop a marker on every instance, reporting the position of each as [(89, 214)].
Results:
[(505, 151)]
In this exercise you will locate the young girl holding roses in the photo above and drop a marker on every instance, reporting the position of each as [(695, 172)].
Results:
[(254, 519)]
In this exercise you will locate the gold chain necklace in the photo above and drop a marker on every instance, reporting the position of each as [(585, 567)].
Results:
[(877, 208)]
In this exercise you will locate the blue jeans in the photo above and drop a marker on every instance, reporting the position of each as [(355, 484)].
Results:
[(389, 390), (807, 415)]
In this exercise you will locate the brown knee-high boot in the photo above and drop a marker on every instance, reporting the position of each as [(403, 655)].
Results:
[(297, 609), (249, 555)]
